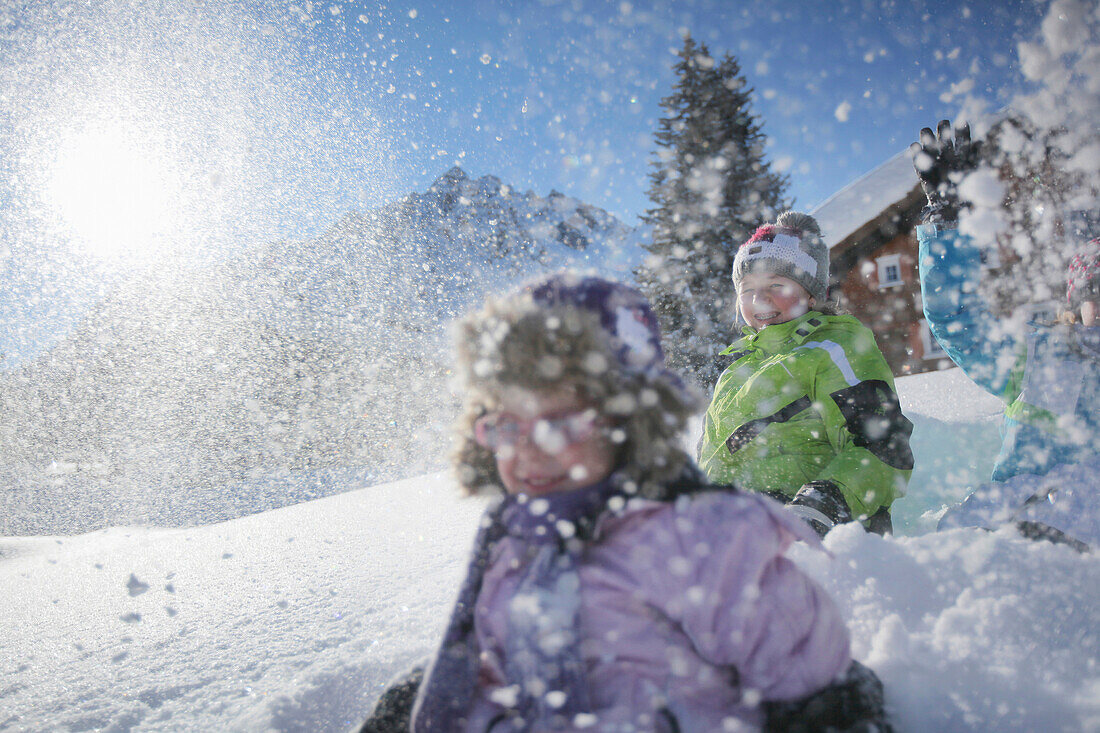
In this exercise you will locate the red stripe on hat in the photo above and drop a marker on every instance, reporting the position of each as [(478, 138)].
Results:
[(765, 233)]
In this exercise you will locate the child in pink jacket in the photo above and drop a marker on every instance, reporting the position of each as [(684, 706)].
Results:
[(612, 588)]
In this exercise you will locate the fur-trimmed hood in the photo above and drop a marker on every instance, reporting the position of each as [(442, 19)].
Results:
[(519, 341)]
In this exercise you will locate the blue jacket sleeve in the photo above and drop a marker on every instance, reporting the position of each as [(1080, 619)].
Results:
[(950, 270)]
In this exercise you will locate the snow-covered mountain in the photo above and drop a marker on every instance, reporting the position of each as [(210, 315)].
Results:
[(287, 362), (427, 257)]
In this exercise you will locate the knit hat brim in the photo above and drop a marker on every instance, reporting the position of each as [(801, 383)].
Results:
[(788, 253)]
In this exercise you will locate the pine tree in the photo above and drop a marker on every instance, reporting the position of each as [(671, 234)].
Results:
[(711, 187)]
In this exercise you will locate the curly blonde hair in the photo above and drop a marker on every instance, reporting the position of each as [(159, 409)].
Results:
[(515, 342)]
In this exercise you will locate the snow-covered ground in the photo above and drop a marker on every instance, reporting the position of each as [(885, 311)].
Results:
[(295, 619)]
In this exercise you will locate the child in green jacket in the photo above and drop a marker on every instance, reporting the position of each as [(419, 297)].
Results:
[(807, 411)]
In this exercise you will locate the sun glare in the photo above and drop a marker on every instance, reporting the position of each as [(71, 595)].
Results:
[(116, 195)]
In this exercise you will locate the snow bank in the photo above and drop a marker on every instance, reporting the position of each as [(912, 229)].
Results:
[(971, 630), (287, 620), (956, 436), (295, 619)]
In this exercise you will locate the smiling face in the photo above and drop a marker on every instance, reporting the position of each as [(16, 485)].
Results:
[(766, 299), (549, 450)]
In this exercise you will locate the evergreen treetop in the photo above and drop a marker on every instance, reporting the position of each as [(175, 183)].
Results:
[(711, 186)]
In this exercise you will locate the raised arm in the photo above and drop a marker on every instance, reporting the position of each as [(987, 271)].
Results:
[(950, 264)]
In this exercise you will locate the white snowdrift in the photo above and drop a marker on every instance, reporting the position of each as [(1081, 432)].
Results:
[(295, 619)]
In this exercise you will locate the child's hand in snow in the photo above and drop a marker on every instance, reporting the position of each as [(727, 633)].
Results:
[(821, 505)]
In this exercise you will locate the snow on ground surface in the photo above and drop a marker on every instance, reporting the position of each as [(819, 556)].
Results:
[(956, 436), (295, 619)]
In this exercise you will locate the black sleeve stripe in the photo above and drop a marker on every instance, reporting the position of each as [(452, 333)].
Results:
[(873, 415), (744, 434)]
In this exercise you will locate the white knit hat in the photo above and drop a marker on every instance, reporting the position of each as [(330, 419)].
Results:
[(791, 248)]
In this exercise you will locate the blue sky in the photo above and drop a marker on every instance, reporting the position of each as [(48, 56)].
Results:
[(146, 134), (566, 94)]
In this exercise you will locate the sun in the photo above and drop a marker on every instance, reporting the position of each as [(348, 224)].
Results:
[(116, 192)]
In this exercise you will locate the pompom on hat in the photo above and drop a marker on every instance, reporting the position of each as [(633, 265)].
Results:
[(1083, 276), (791, 248)]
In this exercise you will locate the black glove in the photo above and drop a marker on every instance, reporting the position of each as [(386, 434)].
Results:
[(854, 702), (942, 159), (821, 505), (394, 709)]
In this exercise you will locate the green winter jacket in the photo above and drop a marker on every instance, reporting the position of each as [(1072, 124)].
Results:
[(807, 400)]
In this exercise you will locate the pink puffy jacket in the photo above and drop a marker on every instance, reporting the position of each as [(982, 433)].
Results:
[(690, 617)]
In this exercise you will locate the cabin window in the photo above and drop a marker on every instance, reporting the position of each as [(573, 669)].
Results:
[(932, 349), (889, 270)]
